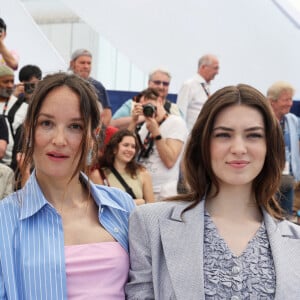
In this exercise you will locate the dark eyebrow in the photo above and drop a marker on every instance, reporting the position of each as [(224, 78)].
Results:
[(45, 115), (52, 117), (255, 128)]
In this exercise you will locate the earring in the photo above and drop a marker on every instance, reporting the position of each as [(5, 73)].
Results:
[(89, 157)]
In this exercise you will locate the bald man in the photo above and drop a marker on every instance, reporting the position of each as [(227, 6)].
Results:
[(195, 91)]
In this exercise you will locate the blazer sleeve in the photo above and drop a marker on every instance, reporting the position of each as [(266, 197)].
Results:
[(140, 284)]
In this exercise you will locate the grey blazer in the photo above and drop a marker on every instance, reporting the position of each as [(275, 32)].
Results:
[(166, 253)]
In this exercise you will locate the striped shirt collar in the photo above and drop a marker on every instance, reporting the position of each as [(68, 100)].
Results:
[(34, 199)]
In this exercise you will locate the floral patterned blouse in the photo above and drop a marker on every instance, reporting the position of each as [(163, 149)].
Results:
[(248, 276)]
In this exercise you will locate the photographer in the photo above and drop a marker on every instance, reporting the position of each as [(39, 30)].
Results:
[(29, 76), (162, 137), (7, 57), (159, 79)]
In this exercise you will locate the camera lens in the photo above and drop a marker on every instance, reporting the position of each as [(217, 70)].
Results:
[(149, 109), (29, 88)]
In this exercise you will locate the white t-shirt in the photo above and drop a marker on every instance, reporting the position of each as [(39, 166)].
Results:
[(165, 180)]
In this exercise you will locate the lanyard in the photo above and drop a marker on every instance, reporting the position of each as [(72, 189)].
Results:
[(5, 107), (205, 88), (147, 145)]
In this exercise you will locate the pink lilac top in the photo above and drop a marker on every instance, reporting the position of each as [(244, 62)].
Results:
[(96, 271)]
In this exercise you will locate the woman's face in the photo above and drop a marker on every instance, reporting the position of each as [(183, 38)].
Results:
[(58, 135), (238, 145), (126, 149)]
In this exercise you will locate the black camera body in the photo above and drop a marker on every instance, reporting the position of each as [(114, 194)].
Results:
[(29, 87), (149, 109)]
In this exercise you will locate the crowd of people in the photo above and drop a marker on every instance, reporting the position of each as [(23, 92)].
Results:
[(91, 206)]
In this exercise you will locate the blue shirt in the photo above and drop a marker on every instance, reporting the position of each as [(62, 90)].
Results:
[(32, 259), (101, 93)]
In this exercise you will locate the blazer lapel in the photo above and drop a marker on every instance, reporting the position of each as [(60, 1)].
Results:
[(285, 247), (182, 240)]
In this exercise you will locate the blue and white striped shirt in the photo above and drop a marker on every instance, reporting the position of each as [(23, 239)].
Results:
[(32, 260)]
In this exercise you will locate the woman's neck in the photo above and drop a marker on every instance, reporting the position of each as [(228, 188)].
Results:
[(120, 166), (63, 193), (234, 202)]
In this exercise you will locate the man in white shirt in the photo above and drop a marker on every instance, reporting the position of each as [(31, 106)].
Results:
[(162, 138), (195, 91)]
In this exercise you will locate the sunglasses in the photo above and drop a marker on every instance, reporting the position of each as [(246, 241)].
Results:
[(159, 82)]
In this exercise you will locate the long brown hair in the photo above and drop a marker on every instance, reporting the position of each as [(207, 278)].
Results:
[(88, 109), (108, 157), (197, 157)]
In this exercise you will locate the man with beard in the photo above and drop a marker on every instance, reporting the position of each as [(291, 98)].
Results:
[(7, 101), (159, 79)]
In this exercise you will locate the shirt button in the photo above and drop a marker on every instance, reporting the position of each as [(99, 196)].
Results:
[(236, 270), (116, 229), (235, 298)]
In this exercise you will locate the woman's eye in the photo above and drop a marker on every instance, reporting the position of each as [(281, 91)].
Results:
[(46, 123), (255, 135), (76, 126), (222, 135)]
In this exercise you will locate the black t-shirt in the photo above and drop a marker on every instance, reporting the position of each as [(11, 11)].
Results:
[(3, 129)]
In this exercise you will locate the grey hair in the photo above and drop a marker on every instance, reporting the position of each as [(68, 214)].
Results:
[(206, 60), (80, 52), (160, 70), (277, 88)]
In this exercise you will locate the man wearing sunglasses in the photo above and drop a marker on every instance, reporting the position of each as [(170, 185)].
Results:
[(195, 91), (159, 79)]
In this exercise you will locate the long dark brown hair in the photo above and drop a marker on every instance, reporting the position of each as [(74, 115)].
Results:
[(88, 109), (197, 157)]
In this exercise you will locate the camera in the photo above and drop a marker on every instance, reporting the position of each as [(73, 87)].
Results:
[(29, 87), (149, 109)]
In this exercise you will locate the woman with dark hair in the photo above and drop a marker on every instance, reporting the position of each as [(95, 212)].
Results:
[(226, 239), (120, 169), (61, 236)]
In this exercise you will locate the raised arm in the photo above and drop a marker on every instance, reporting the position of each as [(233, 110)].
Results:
[(8, 57)]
